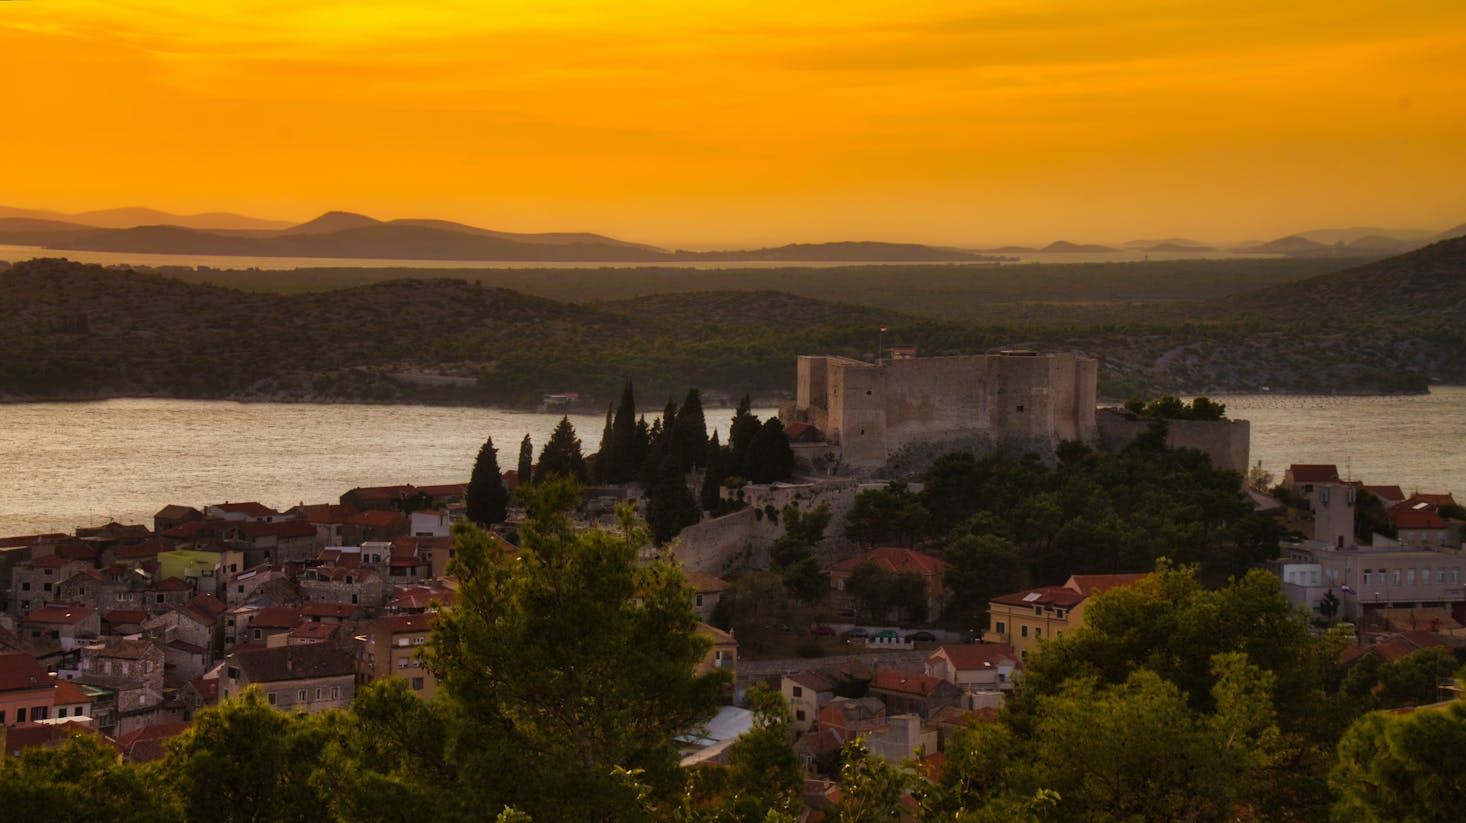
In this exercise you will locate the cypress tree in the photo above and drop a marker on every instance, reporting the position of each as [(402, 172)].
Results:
[(561, 454), (670, 506), (641, 448), (486, 498), (712, 479), (692, 431), (770, 458), (624, 456), (604, 466), (526, 460), (741, 431)]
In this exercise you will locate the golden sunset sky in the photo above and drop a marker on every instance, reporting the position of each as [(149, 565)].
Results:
[(729, 123)]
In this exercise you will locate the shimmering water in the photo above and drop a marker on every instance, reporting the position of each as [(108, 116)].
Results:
[(64, 465)]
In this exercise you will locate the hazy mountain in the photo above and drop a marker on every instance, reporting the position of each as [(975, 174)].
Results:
[(127, 218), (1065, 247), (1454, 231), (36, 224), (333, 221), (851, 251), (558, 238), (1329, 237)]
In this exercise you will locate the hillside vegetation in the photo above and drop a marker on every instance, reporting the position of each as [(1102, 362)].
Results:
[(74, 331)]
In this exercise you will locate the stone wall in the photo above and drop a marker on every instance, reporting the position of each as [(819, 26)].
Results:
[(1012, 402), (1227, 442)]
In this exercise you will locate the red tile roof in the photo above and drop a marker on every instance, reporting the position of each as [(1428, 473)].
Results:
[(1314, 472), (1092, 584), (1434, 499), (207, 688), (375, 519), (250, 509), (1419, 515), (315, 631), (69, 694), (382, 492), (276, 617), (892, 680), (444, 489), (1394, 493), (65, 615), (118, 617), (343, 611), (894, 559), (19, 670), (172, 584), (146, 744), (969, 656), (1055, 596), (404, 623)]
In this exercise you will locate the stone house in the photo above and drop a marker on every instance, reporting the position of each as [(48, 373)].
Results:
[(983, 671), (333, 584), (706, 590), (913, 693), (310, 678), (391, 649), (61, 627), (132, 670), (806, 693), (33, 583)]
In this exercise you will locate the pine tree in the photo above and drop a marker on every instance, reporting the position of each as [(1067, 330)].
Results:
[(526, 460), (487, 500), (641, 448), (561, 454), (692, 431)]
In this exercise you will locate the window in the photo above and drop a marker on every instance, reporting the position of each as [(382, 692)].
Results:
[(233, 673), (47, 587), (417, 684), (20, 715), (799, 715), (1023, 631), (798, 691), (1455, 574), (2, 717), (1059, 613), (1038, 610), (335, 692), (320, 692), (353, 599), (39, 713), (271, 697), (1440, 574), (419, 640), (240, 589), (1410, 576), (160, 598), (1395, 577), (25, 585), (257, 634), (1366, 577), (699, 600), (61, 712), (122, 597), (1001, 627), (404, 662), (300, 696), (402, 641)]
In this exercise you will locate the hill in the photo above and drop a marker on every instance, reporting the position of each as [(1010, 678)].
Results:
[(127, 218)]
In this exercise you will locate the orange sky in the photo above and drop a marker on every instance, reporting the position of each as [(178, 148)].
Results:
[(732, 122)]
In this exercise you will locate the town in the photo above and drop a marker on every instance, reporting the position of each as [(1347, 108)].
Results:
[(827, 582)]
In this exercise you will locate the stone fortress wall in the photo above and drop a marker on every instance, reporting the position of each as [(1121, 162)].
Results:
[(1009, 402)]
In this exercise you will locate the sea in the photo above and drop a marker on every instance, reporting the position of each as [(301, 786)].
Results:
[(66, 465)]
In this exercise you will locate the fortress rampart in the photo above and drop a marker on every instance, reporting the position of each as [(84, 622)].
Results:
[(1011, 402)]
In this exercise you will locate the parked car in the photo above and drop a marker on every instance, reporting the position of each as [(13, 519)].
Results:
[(921, 637), (857, 632)]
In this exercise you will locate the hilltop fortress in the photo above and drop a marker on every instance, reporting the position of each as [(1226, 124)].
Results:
[(896, 416)]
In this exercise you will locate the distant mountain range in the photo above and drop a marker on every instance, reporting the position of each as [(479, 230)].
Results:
[(343, 234), (347, 235)]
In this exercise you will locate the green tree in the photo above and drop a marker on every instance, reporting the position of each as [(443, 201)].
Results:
[(561, 455), (713, 476), (764, 774), (982, 568), (870, 788), (486, 500), (80, 780), (526, 460), (692, 431), (770, 457), (601, 461), (1416, 678), (568, 663), (1403, 767), (742, 430), (244, 761), (884, 517), (670, 506), (626, 452), (792, 555)]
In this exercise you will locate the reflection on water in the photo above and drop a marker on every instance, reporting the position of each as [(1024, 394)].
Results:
[(68, 464)]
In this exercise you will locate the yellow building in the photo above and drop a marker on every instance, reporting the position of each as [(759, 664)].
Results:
[(1027, 618)]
